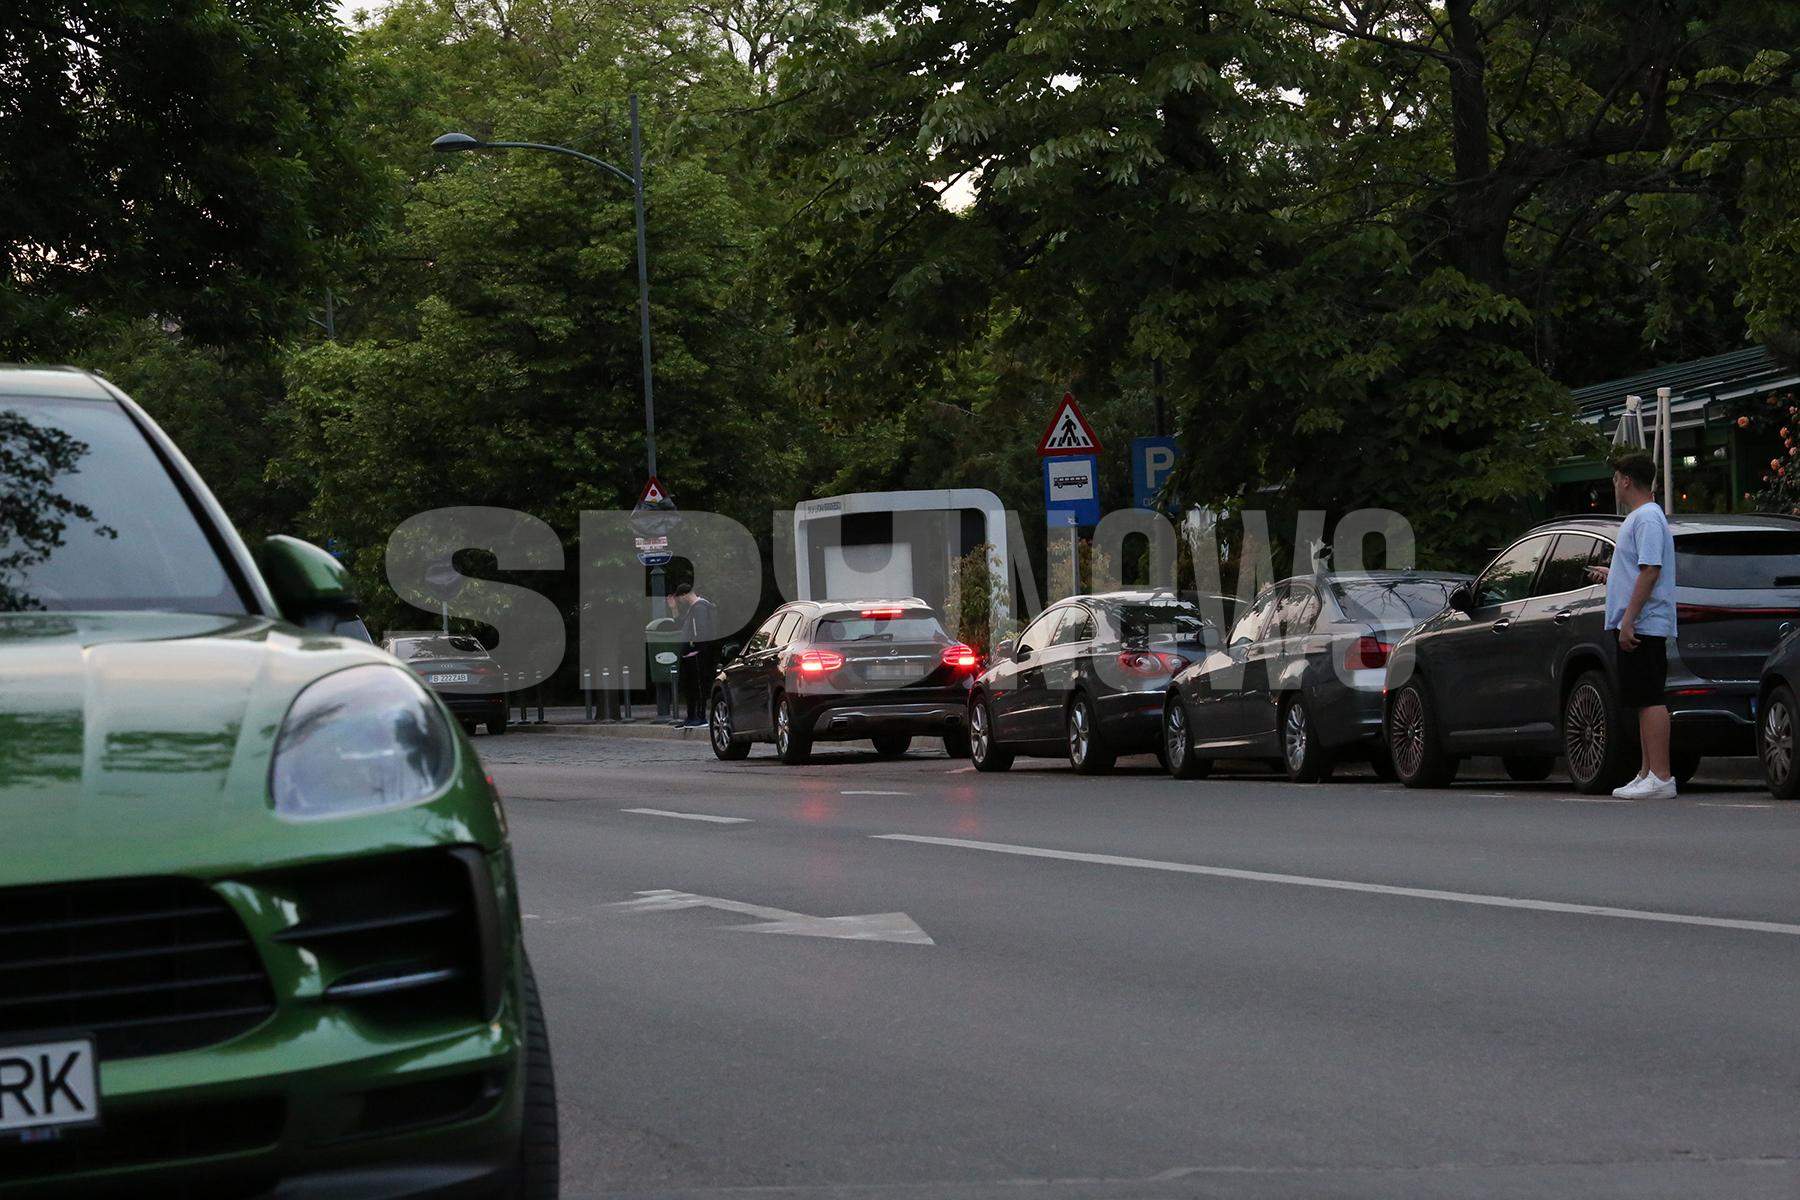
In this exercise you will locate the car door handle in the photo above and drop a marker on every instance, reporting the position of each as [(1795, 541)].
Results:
[(1502, 624), (1562, 618)]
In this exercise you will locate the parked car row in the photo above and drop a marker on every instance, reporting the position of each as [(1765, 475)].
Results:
[(1409, 671)]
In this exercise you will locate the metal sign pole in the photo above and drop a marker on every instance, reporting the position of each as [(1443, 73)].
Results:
[(1665, 435)]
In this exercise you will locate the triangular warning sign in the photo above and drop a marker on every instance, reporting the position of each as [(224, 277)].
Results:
[(1069, 432), (653, 494)]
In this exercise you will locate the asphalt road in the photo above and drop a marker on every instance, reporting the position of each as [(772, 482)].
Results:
[(1129, 986)]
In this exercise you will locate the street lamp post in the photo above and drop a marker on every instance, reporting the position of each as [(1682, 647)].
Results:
[(452, 142)]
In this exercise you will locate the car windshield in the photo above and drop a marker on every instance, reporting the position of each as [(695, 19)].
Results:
[(1164, 622), (1393, 601), (92, 521), (881, 625), (1741, 559)]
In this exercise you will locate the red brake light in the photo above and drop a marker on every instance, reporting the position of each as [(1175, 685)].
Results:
[(1698, 613), (1366, 654), (1149, 663), (819, 662), (881, 614), (961, 657)]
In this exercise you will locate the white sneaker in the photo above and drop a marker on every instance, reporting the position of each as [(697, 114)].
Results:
[(1655, 789), (1629, 791)]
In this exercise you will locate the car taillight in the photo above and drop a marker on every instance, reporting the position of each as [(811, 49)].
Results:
[(1151, 662), (1367, 653), (818, 662), (1700, 613), (961, 657)]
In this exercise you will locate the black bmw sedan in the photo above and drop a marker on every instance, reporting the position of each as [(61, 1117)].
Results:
[(1085, 679), (1300, 679), (837, 670)]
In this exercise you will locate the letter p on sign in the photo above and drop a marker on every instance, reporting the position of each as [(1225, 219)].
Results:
[(1152, 461)]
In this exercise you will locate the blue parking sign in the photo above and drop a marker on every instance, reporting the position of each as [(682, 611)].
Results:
[(1072, 490), (1153, 459)]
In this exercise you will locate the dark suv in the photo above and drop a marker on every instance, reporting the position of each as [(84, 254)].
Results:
[(820, 670), (1520, 664)]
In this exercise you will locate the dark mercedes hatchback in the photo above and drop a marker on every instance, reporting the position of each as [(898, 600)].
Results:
[(825, 670), (1520, 664)]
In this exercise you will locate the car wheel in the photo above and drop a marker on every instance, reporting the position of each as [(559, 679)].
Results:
[(791, 746), (1088, 753), (1303, 755), (1775, 743), (540, 1153), (1414, 741), (891, 745), (1528, 768), (724, 744), (1684, 765), (1599, 750), (1178, 743), (956, 743), (986, 753)]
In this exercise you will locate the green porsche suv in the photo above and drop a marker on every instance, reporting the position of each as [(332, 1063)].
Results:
[(259, 933)]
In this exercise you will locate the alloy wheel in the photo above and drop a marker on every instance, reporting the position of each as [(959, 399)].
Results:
[(1778, 742), (978, 732), (1293, 736), (1407, 744), (783, 731), (1584, 731), (1078, 732), (1175, 733), (721, 725)]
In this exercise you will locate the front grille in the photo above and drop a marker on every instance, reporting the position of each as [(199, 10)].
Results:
[(140, 1135), (400, 937), (148, 966)]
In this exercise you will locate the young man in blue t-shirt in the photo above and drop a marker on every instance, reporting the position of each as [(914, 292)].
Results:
[(1640, 609)]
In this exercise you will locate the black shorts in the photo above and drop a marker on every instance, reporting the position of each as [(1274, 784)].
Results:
[(1642, 672)]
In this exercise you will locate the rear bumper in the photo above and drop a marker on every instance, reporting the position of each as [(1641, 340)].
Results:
[(854, 718), (1716, 717), (475, 705), (1348, 714), (1131, 722)]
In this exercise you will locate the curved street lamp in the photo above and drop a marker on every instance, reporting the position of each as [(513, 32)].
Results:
[(452, 142)]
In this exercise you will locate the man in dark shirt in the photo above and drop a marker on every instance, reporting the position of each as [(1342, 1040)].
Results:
[(699, 651)]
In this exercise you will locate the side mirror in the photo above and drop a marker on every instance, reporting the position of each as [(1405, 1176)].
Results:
[(1006, 648), (1210, 637), (1463, 599), (311, 588), (1021, 653), (729, 651)]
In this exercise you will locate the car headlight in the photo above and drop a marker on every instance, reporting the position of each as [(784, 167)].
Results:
[(361, 740)]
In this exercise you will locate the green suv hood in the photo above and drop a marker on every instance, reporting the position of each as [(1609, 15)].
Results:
[(139, 743)]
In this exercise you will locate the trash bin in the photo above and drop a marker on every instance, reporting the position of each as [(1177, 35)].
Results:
[(664, 638)]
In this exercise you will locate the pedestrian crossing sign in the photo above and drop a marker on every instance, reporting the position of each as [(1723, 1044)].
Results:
[(1069, 432)]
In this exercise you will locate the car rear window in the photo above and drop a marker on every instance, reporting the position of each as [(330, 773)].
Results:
[(881, 625), (92, 520), (454, 646), (1741, 559), (1392, 602), (1182, 622)]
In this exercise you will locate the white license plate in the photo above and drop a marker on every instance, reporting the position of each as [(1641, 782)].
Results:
[(462, 677), (892, 671), (48, 1084)]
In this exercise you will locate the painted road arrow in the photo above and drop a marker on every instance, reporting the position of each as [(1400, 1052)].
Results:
[(875, 927)]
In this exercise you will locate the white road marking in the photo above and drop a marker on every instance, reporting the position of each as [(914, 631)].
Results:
[(1344, 885), (681, 816), (1713, 804), (1593, 800), (959, 771), (871, 927), (860, 793)]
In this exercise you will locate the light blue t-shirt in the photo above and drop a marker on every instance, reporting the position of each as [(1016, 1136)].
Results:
[(1644, 541)]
